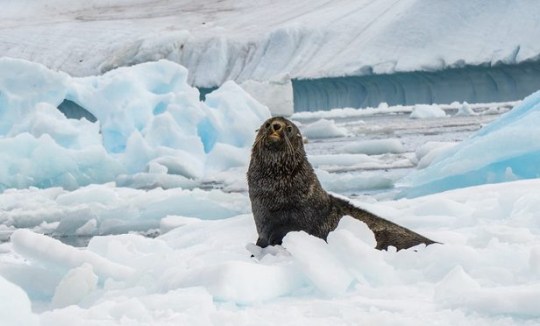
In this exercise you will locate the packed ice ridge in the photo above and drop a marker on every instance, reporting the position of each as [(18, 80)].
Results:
[(200, 271), (148, 116), (504, 150)]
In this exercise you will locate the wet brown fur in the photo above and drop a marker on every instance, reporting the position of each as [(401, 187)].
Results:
[(286, 195)]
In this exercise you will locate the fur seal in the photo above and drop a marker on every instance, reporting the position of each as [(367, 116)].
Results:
[(286, 195)]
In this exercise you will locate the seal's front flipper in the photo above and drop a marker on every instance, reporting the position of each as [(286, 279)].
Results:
[(261, 242)]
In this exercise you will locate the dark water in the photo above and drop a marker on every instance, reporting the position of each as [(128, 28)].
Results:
[(73, 110), (203, 91)]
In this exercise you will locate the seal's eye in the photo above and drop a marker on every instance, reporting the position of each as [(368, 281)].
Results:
[(267, 125), (289, 129)]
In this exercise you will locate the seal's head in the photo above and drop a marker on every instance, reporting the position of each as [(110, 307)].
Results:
[(278, 135)]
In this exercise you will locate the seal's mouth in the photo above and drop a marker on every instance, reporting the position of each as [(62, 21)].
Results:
[(274, 136)]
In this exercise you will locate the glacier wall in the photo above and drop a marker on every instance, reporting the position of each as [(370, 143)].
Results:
[(267, 40), (474, 84)]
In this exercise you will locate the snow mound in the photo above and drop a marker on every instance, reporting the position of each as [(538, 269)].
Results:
[(149, 122), (465, 110), (504, 150), (422, 111), (323, 129)]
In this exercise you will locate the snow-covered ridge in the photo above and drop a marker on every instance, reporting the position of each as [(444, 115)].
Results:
[(271, 40)]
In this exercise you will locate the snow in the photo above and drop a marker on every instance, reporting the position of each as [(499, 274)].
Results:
[(270, 40), (276, 95), (423, 111), (485, 270), (310, 254), (307, 51)]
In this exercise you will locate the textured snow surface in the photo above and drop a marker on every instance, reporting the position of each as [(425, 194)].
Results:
[(486, 271), (270, 40)]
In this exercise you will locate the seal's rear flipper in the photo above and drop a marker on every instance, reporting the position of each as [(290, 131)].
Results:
[(387, 233)]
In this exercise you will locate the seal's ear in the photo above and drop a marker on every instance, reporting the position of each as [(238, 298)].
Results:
[(257, 130)]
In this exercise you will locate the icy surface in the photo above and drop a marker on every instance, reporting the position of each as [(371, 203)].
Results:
[(504, 150), (105, 209), (133, 252), (374, 147), (484, 272), (77, 284)]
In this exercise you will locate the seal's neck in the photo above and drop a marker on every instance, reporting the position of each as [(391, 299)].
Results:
[(279, 163)]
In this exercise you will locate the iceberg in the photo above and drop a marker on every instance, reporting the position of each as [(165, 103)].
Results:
[(351, 54), (505, 150), (147, 120)]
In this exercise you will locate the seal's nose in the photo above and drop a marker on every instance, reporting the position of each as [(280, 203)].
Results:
[(276, 126)]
